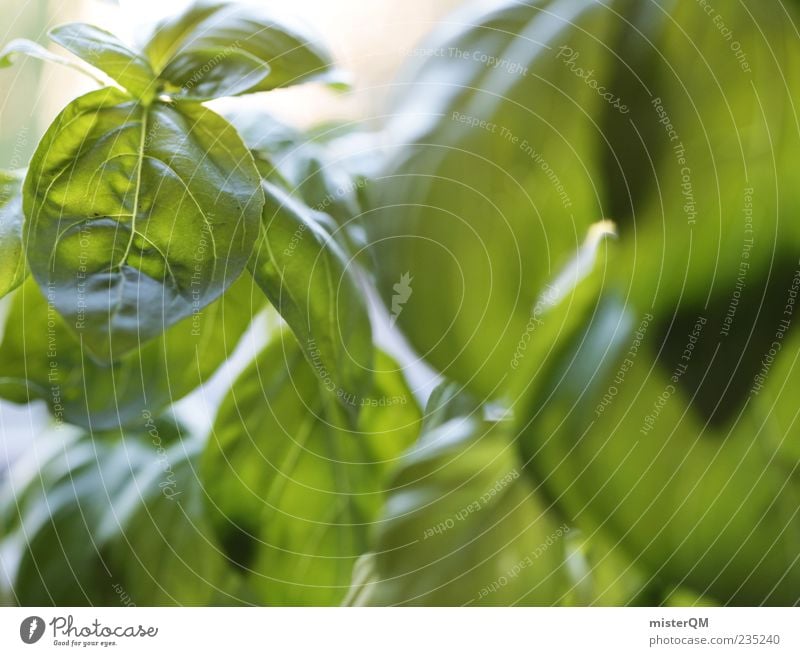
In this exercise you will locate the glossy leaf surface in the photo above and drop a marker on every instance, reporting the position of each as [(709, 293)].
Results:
[(292, 489), (138, 216)]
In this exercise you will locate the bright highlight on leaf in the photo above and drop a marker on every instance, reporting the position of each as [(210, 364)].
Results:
[(105, 52), (13, 266)]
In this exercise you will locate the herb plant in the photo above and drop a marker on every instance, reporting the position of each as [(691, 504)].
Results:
[(614, 421)]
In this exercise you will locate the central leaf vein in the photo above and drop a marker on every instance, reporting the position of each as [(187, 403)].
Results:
[(138, 189)]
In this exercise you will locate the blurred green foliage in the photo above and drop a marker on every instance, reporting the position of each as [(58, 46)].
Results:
[(617, 422)]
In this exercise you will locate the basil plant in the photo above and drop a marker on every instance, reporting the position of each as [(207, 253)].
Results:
[(575, 221)]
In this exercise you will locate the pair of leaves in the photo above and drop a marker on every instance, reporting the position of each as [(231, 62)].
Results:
[(211, 50), (293, 489), (247, 48)]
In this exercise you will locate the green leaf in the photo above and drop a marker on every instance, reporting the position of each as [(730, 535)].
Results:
[(107, 521), (41, 359), (291, 490), (462, 526), (106, 52), (300, 163), (484, 188), (13, 266), (310, 167), (227, 38), (159, 542), (137, 216), (207, 74), (565, 305), (47, 554), (33, 49), (448, 401), (570, 112), (312, 283), (712, 510), (602, 574)]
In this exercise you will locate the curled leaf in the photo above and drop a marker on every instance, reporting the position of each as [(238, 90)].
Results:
[(310, 280)]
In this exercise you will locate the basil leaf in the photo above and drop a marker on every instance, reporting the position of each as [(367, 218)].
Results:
[(41, 359), (309, 168), (569, 301), (13, 266), (106, 52), (47, 554), (501, 159), (33, 49), (484, 186), (218, 34), (462, 526), (291, 490), (673, 498), (447, 401), (208, 74), (310, 281), (137, 216), (109, 520), (156, 536)]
